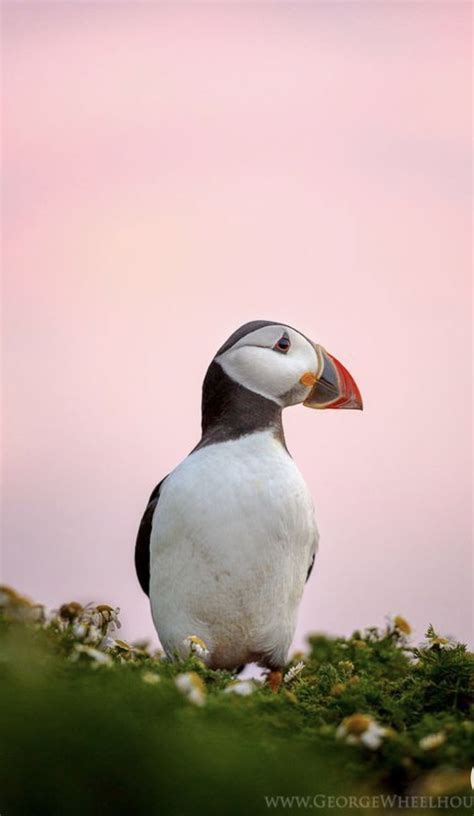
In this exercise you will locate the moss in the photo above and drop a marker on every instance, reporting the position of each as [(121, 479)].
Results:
[(92, 725)]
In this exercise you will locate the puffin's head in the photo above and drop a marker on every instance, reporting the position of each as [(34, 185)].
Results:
[(281, 364)]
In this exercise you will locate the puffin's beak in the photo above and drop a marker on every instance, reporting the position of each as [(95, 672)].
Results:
[(334, 387)]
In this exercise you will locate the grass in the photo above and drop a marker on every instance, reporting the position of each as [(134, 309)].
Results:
[(92, 725)]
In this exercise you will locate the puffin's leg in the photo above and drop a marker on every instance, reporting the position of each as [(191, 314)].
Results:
[(274, 680)]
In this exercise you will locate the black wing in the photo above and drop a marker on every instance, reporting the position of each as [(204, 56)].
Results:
[(142, 546), (311, 566)]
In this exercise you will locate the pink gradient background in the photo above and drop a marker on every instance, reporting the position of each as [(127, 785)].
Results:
[(174, 171)]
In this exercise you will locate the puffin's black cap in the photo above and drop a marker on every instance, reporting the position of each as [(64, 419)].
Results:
[(247, 328)]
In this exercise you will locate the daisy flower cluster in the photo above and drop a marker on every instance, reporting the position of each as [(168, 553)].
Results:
[(88, 626), (91, 626), (370, 705), (337, 687)]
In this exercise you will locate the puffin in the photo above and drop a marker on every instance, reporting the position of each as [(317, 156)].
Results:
[(228, 539)]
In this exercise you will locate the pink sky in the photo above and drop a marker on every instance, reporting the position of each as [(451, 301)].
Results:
[(172, 171)]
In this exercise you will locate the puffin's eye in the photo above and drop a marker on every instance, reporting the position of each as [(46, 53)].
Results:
[(282, 345)]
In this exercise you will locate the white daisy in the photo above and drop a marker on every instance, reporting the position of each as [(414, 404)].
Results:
[(192, 686), (293, 672), (373, 736), (105, 616), (124, 651), (98, 657), (361, 729), (151, 678), (241, 687), (107, 643), (437, 642), (87, 632), (399, 624), (432, 741), (70, 611), (196, 646)]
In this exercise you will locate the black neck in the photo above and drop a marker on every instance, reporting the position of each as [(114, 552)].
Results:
[(229, 410)]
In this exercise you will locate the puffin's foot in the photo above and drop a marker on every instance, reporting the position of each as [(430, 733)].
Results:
[(274, 680)]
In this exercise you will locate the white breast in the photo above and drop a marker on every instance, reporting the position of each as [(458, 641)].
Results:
[(232, 539)]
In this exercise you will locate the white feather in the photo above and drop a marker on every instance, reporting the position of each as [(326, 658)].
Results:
[(232, 539), (254, 363)]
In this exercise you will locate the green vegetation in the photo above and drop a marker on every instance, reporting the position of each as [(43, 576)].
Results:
[(92, 725)]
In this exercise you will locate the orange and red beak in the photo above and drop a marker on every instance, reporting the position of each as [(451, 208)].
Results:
[(334, 387)]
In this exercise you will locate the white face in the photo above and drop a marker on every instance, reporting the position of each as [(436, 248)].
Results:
[(271, 361)]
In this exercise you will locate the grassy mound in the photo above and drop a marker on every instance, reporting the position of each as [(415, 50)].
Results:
[(93, 725)]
